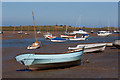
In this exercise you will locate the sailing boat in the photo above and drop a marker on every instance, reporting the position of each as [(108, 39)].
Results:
[(36, 44), (67, 35)]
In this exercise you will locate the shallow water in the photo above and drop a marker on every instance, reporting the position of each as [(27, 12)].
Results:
[(26, 42)]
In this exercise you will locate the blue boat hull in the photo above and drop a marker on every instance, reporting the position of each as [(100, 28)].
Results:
[(44, 61)]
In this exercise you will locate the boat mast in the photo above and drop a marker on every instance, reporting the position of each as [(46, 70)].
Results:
[(66, 28), (34, 26), (56, 28), (14, 30)]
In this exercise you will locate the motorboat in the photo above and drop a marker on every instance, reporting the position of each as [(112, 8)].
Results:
[(57, 39), (77, 38), (116, 31), (80, 32), (38, 61), (84, 36), (103, 33), (90, 47), (116, 43)]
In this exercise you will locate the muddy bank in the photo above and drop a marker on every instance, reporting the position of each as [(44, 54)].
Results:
[(99, 65), (10, 35)]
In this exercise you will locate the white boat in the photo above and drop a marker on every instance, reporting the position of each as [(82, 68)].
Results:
[(80, 32), (92, 31), (77, 39), (1, 32), (36, 44), (116, 43), (116, 31), (50, 60), (57, 39), (51, 37), (38, 32), (47, 34), (89, 47), (19, 32), (103, 33), (84, 36), (26, 33)]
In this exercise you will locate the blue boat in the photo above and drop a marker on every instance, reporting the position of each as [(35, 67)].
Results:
[(50, 60), (57, 39)]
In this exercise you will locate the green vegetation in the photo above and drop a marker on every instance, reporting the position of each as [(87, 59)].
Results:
[(50, 28)]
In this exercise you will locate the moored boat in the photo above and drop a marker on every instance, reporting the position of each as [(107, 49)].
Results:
[(91, 31), (47, 34), (57, 39), (50, 60), (1, 32), (116, 43), (90, 47), (20, 32), (38, 32), (80, 32), (77, 39), (103, 33), (83, 37), (36, 44), (51, 37)]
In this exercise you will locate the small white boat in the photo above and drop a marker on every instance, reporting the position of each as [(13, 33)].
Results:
[(90, 47), (92, 31), (116, 43), (77, 39), (34, 45), (47, 34), (50, 60), (57, 39), (116, 31), (20, 32), (84, 36), (80, 32), (26, 33), (38, 32), (1, 32), (103, 33), (51, 37)]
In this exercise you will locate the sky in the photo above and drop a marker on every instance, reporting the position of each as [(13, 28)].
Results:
[(89, 14)]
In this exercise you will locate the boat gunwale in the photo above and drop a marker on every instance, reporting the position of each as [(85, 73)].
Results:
[(50, 53)]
